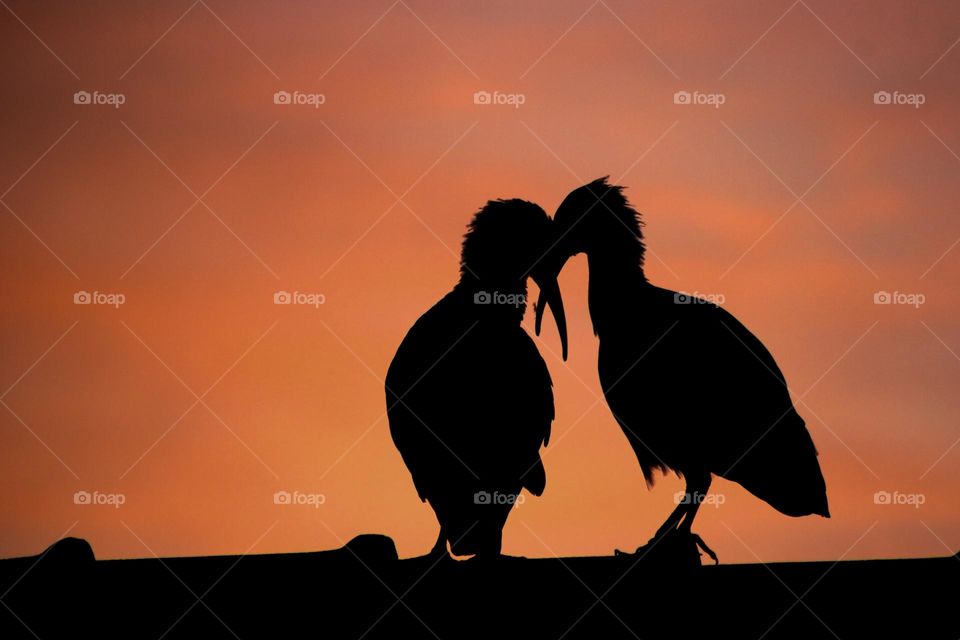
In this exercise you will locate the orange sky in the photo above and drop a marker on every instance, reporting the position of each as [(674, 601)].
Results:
[(304, 199)]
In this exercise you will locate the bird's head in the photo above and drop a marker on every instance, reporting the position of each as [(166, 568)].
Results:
[(504, 245), (595, 219)]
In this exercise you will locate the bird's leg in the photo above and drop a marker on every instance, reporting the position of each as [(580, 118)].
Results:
[(682, 516), (491, 550), (669, 525), (696, 492), (671, 522)]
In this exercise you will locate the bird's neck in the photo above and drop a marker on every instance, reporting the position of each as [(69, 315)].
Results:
[(613, 283)]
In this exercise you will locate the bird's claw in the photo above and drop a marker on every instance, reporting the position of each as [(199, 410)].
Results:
[(673, 541), (703, 546)]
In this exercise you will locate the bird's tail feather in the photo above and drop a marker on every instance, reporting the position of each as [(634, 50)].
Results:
[(792, 484)]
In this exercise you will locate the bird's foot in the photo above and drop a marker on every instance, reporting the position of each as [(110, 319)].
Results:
[(675, 547)]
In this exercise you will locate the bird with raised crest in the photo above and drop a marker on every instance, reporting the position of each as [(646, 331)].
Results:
[(693, 390)]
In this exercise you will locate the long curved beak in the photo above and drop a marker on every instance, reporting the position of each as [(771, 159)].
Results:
[(550, 296)]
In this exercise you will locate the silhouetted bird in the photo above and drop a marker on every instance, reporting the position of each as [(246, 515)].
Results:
[(469, 397), (693, 390)]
